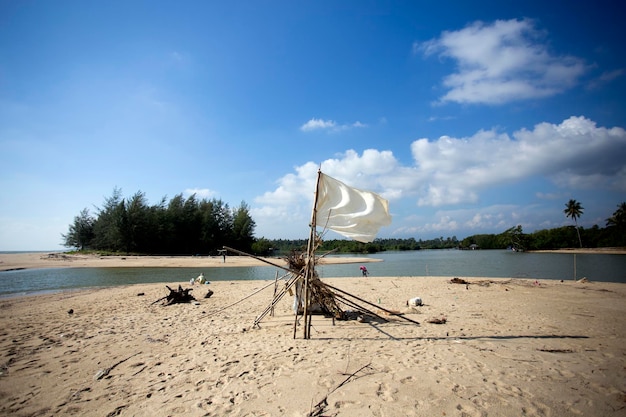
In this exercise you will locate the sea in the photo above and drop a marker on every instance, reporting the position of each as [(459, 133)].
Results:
[(422, 263)]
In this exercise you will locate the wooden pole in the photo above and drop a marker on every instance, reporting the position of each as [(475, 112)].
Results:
[(393, 313), (310, 261), (277, 298), (260, 259), (275, 290)]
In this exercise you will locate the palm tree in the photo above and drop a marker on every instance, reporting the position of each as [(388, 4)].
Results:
[(573, 209), (617, 224), (619, 216)]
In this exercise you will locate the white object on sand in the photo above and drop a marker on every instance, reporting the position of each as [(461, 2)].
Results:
[(416, 301)]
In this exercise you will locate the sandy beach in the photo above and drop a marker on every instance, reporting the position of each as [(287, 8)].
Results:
[(507, 348), (13, 261)]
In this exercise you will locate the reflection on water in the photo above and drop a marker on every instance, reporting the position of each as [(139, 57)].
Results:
[(482, 263)]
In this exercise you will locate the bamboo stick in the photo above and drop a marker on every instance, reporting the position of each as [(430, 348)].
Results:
[(275, 289), (393, 313), (310, 262), (260, 259)]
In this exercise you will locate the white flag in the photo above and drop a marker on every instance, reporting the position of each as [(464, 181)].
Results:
[(350, 212)]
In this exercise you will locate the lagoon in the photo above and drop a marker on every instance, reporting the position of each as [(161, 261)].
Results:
[(449, 263)]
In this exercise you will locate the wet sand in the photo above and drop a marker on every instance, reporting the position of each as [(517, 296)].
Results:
[(15, 261)]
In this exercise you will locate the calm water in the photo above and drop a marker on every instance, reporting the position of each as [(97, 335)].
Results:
[(452, 263)]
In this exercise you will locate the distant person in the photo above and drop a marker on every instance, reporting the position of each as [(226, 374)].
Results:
[(364, 270)]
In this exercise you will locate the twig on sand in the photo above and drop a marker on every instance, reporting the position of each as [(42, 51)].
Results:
[(320, 406), (556, 350), (104, 372)]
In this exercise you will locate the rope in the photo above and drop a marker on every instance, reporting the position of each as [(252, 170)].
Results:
[(243, 299)]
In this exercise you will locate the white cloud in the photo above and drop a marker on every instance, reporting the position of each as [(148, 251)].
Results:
[(201, 193), (550, 196), (575, 154), (329, 125), (292, 200), (456, 172), (445, 223), (605, 78), (501, 62), (316, 124), (477, 220)]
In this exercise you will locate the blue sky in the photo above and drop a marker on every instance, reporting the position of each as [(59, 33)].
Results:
[(469, 117)]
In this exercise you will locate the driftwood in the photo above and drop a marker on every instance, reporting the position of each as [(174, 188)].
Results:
[(320, 407), (104, 372), (438, 320), (177, 296), (456, 280)]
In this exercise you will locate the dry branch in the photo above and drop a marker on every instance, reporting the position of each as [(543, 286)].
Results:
[(177, 296)]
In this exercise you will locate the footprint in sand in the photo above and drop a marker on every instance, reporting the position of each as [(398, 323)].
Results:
[(384, 393)]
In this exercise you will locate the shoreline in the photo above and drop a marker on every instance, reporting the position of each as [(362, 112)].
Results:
[(592, 251), (42, 260), (508, 347)]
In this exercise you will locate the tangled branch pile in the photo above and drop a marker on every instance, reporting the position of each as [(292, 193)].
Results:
[(322, 298), (177, 296)]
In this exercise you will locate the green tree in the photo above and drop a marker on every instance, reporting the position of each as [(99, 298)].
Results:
[(183, 225), (262, 247), (134, 224), (106, 227), (574, 210), (617, 224), (81, 233), (515, 238), (619, 216), (215, 224), (242, 228)]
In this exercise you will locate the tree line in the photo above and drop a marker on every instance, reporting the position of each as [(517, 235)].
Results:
[(612, 235), (280, 247), (178, 226), (192, 226)]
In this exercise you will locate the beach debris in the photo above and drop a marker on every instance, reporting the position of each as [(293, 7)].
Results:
[(104, 372), (457, 280), (415, 302), (208, 294), (360, 316), (438, 320), (556, 350), (61, 256), (582, 280), (320, 408), (200, 279), (117, 411), (323, 298), (177, 296), (70, 311)]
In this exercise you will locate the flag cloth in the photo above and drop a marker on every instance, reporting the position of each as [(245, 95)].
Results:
[(350, 212)]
